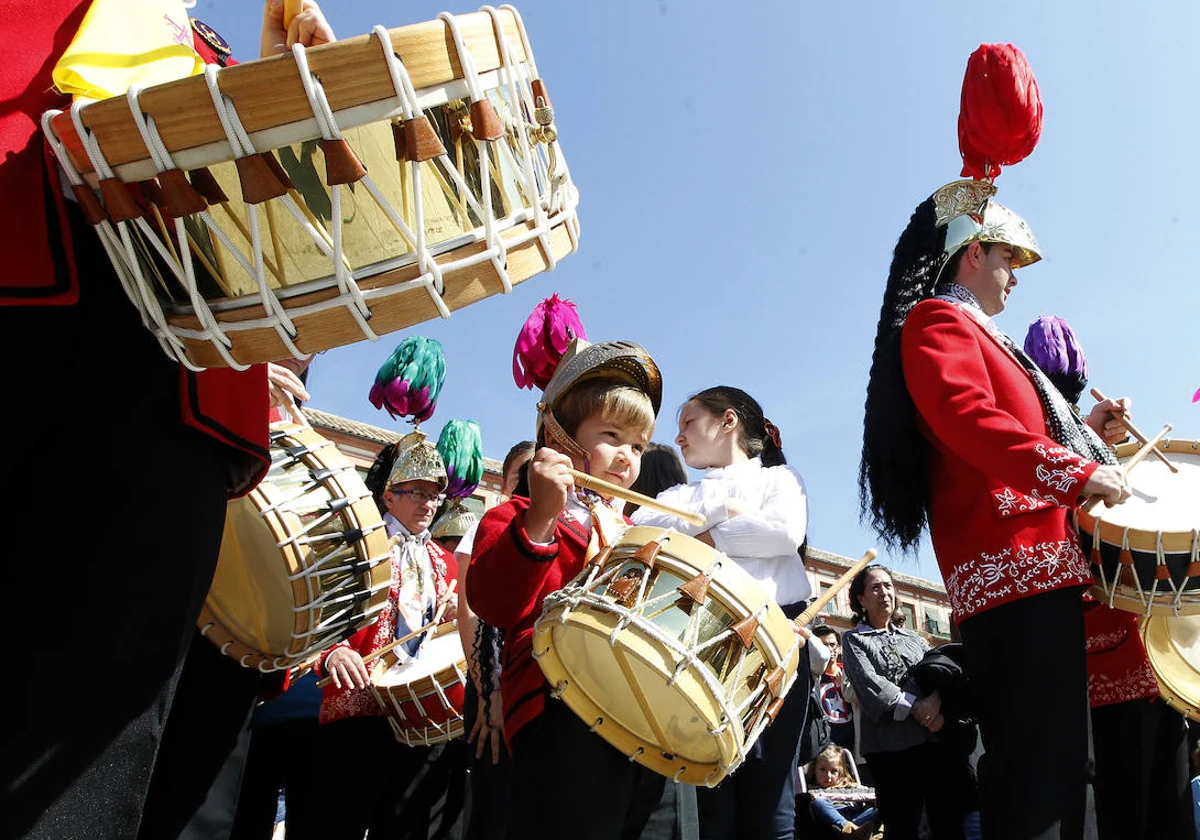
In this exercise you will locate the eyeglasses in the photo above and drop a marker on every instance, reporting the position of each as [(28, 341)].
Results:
[(420, 496)]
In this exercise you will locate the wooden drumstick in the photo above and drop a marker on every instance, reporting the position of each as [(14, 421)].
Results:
[(1130, 464), (582, 479), (816, 606), (1136, 432), (291, 8), (437, 619)]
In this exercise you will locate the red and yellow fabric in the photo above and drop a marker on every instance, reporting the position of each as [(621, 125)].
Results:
[(1001, 488), (230, 406)]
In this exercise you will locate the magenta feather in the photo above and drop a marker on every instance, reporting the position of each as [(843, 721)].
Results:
[(543, 340)]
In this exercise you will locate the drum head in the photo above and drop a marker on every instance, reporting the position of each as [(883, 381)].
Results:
[(440, 651), (1173, 645)]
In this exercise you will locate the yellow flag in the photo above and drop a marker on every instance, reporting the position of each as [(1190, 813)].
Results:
[(126, 42)]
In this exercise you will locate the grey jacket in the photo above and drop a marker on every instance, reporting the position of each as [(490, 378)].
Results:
[(877, 663)]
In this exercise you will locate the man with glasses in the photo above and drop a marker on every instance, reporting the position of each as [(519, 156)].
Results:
[(396, 789)]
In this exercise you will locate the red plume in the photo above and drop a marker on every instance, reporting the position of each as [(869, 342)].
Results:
[(1000, 118)]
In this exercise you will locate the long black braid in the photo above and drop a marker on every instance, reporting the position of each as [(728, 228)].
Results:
[(487, 646), (893, 477)]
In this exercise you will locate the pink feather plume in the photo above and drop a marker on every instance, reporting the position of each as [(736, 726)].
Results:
[(543, 340)]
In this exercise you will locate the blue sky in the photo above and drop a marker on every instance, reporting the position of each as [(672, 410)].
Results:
[(745, 170)]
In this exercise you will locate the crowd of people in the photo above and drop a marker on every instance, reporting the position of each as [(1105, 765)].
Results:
[(1040, 723)]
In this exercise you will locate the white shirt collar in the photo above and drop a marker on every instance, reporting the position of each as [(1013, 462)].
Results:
[(395, 527), (737, 469)]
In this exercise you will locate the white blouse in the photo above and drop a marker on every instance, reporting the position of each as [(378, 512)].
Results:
[(765, 540)]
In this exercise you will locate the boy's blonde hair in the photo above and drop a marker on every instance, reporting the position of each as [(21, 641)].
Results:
[(618, 403)]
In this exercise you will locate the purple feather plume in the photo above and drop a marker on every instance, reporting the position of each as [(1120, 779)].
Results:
[(1052, 345), (543, 340)]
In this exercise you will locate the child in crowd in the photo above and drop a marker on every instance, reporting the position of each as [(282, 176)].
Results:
[(597, 416), (837, 800)]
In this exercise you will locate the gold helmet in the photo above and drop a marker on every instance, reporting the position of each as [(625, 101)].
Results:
[(455, 522), (966, 210), (621, 362), (417, 460)]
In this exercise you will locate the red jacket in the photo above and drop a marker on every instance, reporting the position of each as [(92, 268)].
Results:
[(228, 405), (338, 703), (510, 578), (1001, 488), (1118, 667)]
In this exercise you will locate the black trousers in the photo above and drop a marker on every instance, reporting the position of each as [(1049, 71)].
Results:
[(568, 782), (930, 774), (370, 780), (485, 808), (758, 801), (115, 510), (1142, 779), (280, 755), (1025, 662)]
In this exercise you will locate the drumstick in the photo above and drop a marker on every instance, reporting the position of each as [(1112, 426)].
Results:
[(1130, 464), (582, 479), (437, 619), (816, 606), (1136, 432), (291, 8)]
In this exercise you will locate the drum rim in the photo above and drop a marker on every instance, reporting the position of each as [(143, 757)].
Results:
[(421, 47)]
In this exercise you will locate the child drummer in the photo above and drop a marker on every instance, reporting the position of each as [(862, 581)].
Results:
[(597, 416)]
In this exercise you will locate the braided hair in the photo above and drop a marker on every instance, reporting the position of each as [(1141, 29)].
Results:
[(893, 477)]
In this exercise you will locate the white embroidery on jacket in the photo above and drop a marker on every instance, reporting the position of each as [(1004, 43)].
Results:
[(990, 579)]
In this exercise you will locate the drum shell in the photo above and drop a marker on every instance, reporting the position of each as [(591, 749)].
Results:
[(1173, 647)]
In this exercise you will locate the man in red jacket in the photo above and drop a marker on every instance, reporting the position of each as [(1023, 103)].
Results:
[(965, 435), (116, 488)]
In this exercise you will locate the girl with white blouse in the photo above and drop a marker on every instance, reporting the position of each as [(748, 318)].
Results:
[(757, 514)]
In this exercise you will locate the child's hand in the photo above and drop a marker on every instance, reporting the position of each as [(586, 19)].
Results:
[(308, 27), (549, 484)]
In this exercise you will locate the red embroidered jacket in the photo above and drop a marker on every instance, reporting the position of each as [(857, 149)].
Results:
[(1001, 488), (509, 579), (228, 405), (1117, 664), (338, 703)]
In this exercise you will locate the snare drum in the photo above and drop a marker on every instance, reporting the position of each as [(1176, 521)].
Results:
[(1145, 553), (305, 559), (670, 651), (423, 697), (1173, 645), (280, 207)]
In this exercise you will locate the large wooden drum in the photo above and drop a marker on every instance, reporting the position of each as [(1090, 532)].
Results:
[(305, 559), (670, 651), (289, 205)]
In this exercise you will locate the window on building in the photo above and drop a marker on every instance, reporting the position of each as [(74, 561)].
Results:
[(910, 616)]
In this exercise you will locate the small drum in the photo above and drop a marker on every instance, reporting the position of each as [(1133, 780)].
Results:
[(1145, 553), (423, 697), (670, 651), (280, 207), (1173, 645), (305, 559)]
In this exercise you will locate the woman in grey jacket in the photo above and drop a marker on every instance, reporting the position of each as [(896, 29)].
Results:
[(898, 739)]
